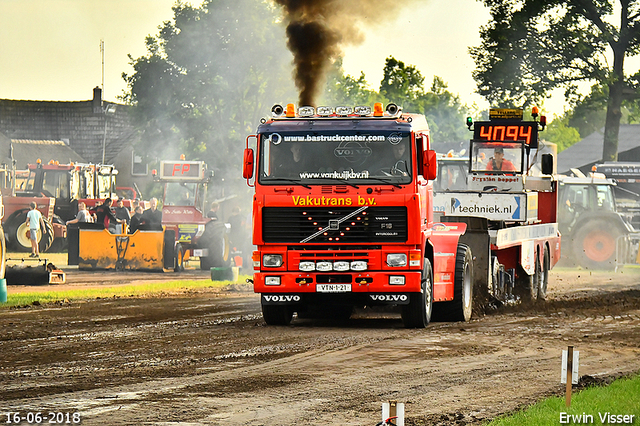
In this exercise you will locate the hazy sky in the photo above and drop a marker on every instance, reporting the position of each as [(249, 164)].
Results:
[(50, 49)]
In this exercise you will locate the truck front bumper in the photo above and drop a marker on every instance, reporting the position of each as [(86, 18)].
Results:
[(401, 281)]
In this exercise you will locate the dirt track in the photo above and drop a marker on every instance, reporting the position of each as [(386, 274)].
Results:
[(208, 358)]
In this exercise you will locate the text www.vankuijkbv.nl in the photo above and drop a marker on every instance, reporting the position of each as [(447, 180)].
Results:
[(347, 174)]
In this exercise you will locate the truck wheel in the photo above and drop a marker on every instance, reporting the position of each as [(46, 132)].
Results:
[(277, 314), (417, 314), (544, 276), (594, 245), (527, 285), (461, 307), (216, 240)]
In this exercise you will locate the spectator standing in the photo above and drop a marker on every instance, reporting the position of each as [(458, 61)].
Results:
[(106, 217), (83, 215), (34, 222), (152, 217), (213, 211), (136, 219), (122, 213)]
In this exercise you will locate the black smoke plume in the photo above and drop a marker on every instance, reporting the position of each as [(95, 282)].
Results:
[(317, 30)]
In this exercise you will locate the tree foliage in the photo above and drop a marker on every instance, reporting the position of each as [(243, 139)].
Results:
[(207, 78), (531, 47)]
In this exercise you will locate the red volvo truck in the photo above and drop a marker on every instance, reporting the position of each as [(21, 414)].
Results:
[(343, 216)]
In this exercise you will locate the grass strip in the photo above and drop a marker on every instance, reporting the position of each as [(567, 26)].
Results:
[(599, 402), (142, 289)]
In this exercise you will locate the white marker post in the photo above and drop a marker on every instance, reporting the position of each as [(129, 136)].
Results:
[(391, 409), (570, 364)]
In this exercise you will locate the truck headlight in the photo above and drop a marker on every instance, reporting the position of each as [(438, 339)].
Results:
[(396, 260), (272, 260)]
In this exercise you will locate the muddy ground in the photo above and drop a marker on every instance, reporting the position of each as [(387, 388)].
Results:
[(207, 357)]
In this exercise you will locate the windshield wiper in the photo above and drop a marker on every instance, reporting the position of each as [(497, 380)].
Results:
[(385, 181), (296, 181), (343, 181)]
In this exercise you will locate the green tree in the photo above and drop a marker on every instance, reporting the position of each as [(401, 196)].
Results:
[(559, 132), (404, 84), (531, 47), (207, 78), (344, 89)]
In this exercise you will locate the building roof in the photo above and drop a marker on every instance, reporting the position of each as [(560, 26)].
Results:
[(83, 125), (589, 150), (28, 151)]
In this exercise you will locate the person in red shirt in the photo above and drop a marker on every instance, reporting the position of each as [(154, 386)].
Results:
[(498, 162)]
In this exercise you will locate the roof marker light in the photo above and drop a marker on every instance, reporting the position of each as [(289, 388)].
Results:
[(377, 109), (363, 111), (291, 110), (306, 111), (344, 110), (324, 111)]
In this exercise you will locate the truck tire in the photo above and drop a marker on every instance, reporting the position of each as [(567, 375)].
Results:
[(417, 314), (216, 240), (277, 314), (594, 245), (461, 307), (526, 285), (544, 276)]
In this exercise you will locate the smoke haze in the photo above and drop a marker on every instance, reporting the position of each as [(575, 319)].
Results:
[(317, 30)]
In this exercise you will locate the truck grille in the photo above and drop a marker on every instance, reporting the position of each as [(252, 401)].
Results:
[(295, 225)]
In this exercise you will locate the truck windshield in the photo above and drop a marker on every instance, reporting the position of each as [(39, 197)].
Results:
[(322, 158), (180, 194), (495, 157)]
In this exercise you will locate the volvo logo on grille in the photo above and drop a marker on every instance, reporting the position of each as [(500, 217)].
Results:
[(281, 298), (389, 297)]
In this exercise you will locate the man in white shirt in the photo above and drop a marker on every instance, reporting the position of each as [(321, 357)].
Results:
[(34, 218)]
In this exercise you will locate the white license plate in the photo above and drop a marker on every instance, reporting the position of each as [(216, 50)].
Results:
[(333, 288)]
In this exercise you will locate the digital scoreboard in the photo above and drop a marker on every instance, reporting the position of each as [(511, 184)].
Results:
[(506, 131)]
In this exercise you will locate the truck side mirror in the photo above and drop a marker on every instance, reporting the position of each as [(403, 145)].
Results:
[(247, 169), (546, 164), (429, 164)]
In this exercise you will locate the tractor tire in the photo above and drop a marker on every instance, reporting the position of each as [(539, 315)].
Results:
[(17, 233), (277, 314), (417, 314), (59, 244), (47, 237), (594, 245), (461, 307), (178, 265), (216, 240)]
